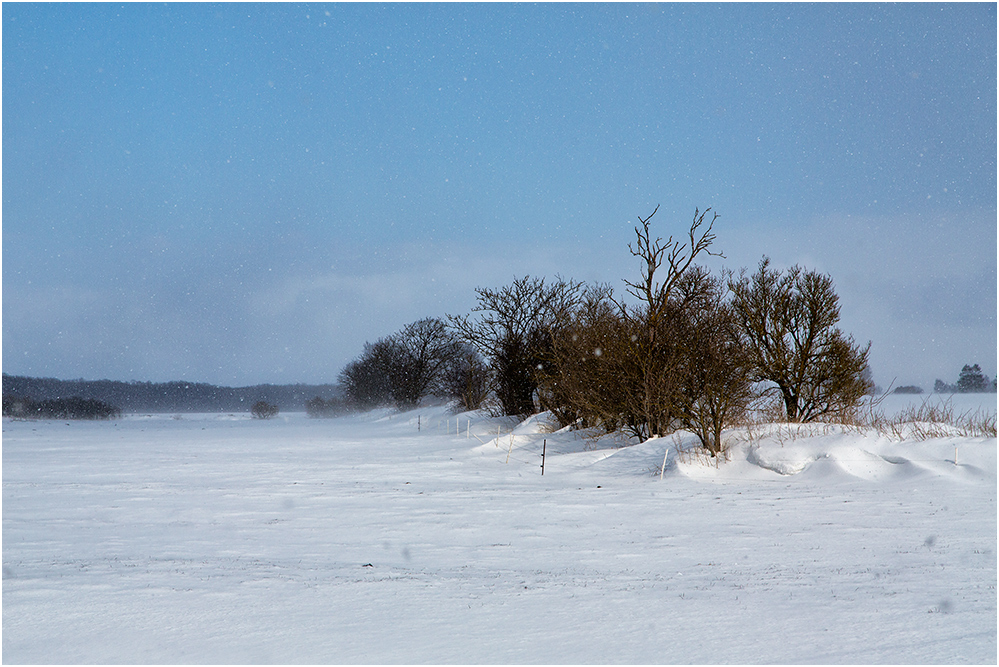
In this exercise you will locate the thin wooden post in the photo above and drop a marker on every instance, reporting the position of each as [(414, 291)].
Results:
[(544, 446), (663, 470)]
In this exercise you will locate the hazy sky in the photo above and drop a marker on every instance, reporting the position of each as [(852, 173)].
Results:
[(240, 194)]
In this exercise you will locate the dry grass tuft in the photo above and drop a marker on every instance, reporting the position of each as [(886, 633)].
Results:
[(923, 422), (931, 420)]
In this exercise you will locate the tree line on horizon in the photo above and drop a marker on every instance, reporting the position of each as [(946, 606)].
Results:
[(971, 380), (73, 407), (176, 396), (692, 350)]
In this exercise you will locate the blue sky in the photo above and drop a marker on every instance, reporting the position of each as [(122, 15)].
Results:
[(241, 194)]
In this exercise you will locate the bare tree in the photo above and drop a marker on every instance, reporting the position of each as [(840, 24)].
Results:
[(422, 353), (585, 382), (366, 381), (657, 344), (788, 321), (679, 256), (637, 368), (402, 368), (514, 330)]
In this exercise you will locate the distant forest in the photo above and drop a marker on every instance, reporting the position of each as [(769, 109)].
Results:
[(167, 396)]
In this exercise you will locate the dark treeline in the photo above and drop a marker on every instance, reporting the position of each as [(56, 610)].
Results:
[(59, 408), (134, 397)]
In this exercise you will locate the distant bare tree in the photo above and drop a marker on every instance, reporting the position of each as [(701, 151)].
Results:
[(423, 352), (401, 368), (789, 321), (467, 378), (366, 381), (317, 408)]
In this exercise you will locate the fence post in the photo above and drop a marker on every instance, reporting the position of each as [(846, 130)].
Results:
[(544, 446)]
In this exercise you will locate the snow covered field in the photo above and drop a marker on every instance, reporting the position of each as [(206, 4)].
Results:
[(217, 538)]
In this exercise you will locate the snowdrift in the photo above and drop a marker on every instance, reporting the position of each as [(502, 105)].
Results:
[(829, 452)]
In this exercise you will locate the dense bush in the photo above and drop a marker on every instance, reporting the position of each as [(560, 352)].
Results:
[(586, 381), (717, 375), (513, 328), (908, 389), (263, 410)]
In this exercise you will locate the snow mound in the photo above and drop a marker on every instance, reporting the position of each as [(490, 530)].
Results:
[(820, 459), (782, 461), (814, 452), (834, 453)]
